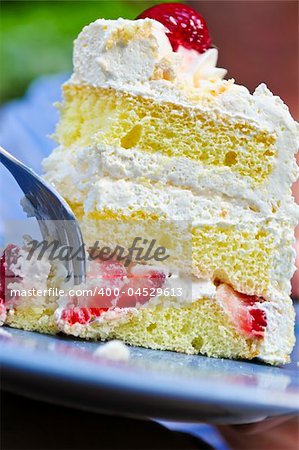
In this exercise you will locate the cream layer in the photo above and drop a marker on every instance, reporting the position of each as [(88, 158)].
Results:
[(87, 166)]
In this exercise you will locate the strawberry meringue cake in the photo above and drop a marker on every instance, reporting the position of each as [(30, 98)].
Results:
[(154, 142)]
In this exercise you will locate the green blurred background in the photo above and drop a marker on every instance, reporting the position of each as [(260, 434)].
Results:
[(37, 36)]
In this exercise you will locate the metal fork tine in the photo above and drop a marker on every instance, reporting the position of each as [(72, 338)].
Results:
[(57, 231), (75, 243), (54, 216)]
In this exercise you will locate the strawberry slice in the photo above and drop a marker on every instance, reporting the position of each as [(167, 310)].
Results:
[(242, 309), (104, 280), (141, 287), (81, 315), (118, 287), (107, 270), (121, 287), (8, 258)]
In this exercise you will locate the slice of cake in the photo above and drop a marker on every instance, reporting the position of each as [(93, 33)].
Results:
[(154, 144)]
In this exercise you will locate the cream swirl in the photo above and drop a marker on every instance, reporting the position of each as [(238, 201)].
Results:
[(200, 66)]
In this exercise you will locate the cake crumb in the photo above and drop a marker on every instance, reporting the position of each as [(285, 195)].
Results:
[(114, 350)]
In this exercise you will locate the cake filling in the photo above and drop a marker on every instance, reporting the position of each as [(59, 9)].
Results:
[(110, 286)]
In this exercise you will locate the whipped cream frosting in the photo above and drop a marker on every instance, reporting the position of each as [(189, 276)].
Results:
[(174, 203), (280, 322), (33, 272), (196, 66), (122, 53)]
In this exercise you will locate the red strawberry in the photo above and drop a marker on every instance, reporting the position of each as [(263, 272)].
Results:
[(259, 321), (108, 270), (8, 258), (135, 285), (107, 278), (81, 315), (141, 287), (121, 288), (186, 27), (246, 317), (110, 275)]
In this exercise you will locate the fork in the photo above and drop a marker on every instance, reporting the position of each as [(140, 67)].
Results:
[(55, 218)]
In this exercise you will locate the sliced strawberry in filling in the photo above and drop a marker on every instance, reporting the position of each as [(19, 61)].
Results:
[(106, 279), (124, 288), (107, 270), (81, 315), (141, 287), (114, 286), (8, 259), (243, 310)]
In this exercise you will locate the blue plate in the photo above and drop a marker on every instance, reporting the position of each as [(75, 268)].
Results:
[(163, 385), (152, 383)]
